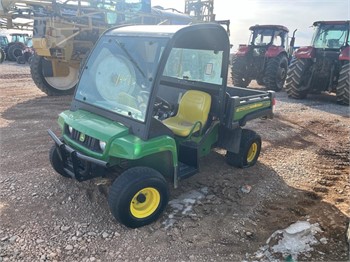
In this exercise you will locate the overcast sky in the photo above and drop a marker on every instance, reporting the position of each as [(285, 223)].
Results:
[(298, 14)]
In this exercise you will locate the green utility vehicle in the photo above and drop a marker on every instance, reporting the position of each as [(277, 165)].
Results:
[(151, 101)]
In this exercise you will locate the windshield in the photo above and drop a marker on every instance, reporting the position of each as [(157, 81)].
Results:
[(261, 37), (330, 36), (3, 41), (119, 74)]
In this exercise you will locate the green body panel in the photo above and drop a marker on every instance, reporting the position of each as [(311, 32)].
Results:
[(209, 140), (242, 111), (120, 144), (132, 147), (205, 142)]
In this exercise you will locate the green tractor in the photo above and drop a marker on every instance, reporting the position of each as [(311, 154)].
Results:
[(151, 101)]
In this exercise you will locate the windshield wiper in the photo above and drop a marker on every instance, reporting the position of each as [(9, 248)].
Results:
[(130, 58)]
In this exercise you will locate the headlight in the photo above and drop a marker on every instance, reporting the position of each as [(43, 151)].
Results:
[(102, 145), (70, 129)]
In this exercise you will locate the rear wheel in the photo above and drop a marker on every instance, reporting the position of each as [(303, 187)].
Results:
[(21, 60), (56, 162), (14, 51), (52, 86), (239, 72), (276, 72), (138, 196), (249, 150), (2, 55), (343, 86), (298, 79)]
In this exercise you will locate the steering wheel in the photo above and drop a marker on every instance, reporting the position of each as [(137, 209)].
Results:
[(161, 103), (162, 108)]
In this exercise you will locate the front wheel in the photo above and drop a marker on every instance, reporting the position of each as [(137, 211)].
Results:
[(2, 55), (343, 87), (56, 162), (14, 51), (138, 196), (249, 150)]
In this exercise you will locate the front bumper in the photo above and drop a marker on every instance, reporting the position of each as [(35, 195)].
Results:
[(77, 165)]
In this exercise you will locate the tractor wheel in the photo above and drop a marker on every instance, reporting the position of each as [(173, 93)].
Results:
[(276, 72), (2, 55), (249, 150), (238, 72), (260, 82), (52, 86), (343, 87), (14, 51), (21, 59), (298, 79), (138, 196), (56, 162)]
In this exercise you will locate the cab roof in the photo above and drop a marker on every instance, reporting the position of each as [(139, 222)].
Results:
[(331, 22), (146, 30), (201, 35), (278, 27)]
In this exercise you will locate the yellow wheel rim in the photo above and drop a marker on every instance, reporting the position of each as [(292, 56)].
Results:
[(145, 202), (252, 152)]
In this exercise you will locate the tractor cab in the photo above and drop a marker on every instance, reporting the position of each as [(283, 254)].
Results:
[(331, 35), (266, 35), (330, 39), (265, 40)]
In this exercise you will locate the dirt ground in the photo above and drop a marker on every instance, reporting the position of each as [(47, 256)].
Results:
[(302, 175)]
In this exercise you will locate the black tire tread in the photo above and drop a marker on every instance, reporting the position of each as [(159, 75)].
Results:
[(120, 186), (238, 72), (2, 55), (39, 79), (239, 159), (272, 68), (11, 56), (56, 163), (343, 86), (294, 77)]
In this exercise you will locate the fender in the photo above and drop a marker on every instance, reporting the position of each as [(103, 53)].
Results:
[(345, 54), (274, 51), (305, 52), (242, 50)]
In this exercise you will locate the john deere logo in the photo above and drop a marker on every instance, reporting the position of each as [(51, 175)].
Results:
[(82, 137)]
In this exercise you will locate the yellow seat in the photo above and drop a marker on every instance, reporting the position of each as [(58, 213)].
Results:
[(192, 115)]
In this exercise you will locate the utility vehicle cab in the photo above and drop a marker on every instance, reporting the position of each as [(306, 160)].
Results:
[(129, 80), (152, 100)]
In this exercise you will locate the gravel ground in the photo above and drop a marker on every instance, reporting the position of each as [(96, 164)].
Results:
[(302, 175)]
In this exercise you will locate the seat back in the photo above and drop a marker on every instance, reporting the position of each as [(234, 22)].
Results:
[(194, 106)]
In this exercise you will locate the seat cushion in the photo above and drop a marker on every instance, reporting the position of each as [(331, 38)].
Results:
[(193, 112), (179, 126)]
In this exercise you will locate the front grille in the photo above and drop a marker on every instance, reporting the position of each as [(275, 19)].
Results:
[(89, 142)]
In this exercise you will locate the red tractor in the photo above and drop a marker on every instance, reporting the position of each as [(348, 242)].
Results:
[(265, 59), (323, 66)]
